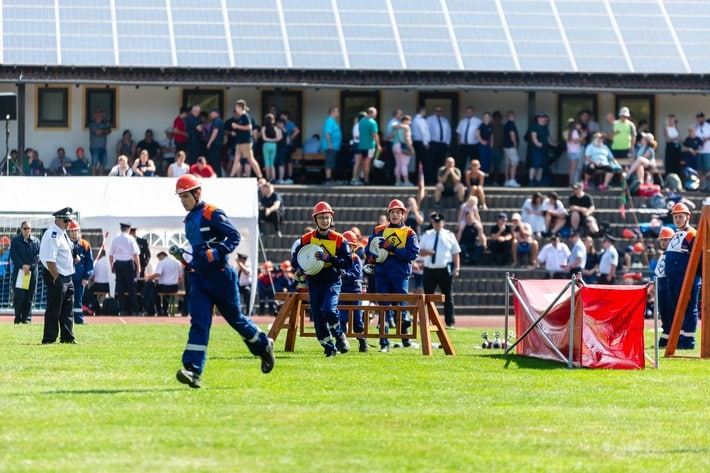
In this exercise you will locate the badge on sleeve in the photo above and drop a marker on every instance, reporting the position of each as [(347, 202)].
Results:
[(54, 234)]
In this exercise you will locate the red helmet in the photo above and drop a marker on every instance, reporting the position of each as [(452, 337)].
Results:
[(628, 234), (396, 204), (666, 232), (321, 208), (187, 182), (680, 209), (73, 225), (351, 238), (286, 265), (638, 247)]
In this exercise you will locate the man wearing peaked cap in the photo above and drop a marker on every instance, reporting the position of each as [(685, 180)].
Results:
[(609, 261), (55, 253)]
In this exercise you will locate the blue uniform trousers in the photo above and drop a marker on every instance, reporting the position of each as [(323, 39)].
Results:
[(219, 289), (690, 320), (78, 296), (324, 311), (389, 285), (358, 323), (665, 309)]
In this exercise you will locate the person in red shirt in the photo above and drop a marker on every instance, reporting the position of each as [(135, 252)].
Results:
[(202, 169), (180, 130)]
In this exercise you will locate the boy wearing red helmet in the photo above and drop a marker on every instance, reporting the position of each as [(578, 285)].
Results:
[(83, 268), (325, 285), (352, 284), (213, 282), (677, 257), (392, 274), (665, 310)]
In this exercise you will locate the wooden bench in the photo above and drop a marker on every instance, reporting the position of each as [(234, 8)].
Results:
[(312, 165), (421, 307), (172, 300)]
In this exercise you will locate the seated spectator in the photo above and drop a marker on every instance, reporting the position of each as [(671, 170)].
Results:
[(645, 158), (99, 281), (168, 150), (472, 242), (179, 167), (591, 268), (554, 256), (449, 182), (121, 169), (555, 214), (34, 166), (524, 242), (61, 164), (202, 169), (500, 241), (283, 279), (534, 213), (474, 180), (312, 145), (143, 166), (81, 166), (581, 208), (12, 167), (265, 285), (244, 277), (271, 208), (152, 147), (414, 218), (168, 274), (598, 156), (470, 207)]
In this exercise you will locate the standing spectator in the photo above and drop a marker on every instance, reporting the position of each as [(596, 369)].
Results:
[(524, 241), (369, 142), (244, 140), (554, 255), (5, 272), (83, 268), (578, 254), (581, 207), (702, 131), (143, 250), (356, 152), (81, 165), (55, 253), (500, 241), (143, 166), (202, 169), (325, 285), (271, 208), (178, 168), (555, 213), (212, 283), (292, 133), (271, 135), (474, 180), (468, 139), (449, 182), (440, 133), (574, 138), (591, 268), (168, 150), (61, 164), (126, 146), (534, 213), (420, 136), (677, 260), (330, 144), (121, 169), (99, 129), (608, 261), (541, 143), (691, 148), (393, 124), (673, 145), (402, 148), (511, 140), (244, 281), (497, 147), (24, 254), (149, 144), (484, 134), (215, 142), (193, 128), (180, 129), (624, 135), (168, 274), (125, 264), (392, 274), (441, 264)]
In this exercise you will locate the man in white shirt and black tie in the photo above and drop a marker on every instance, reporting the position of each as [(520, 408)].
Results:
[(440, 133), (468, 140), (441, 254)]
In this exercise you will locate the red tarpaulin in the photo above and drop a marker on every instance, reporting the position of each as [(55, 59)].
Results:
[(608, 323)]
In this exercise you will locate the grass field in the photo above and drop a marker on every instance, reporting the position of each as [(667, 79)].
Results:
[(112, 404)]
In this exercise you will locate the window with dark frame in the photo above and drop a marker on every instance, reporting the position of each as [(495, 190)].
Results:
[(100, 99), (205, 98), (290, 101), (354, 102), (53, 107)]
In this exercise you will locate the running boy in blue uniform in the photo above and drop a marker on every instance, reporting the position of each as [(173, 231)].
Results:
[(213, 282), (352, 284)]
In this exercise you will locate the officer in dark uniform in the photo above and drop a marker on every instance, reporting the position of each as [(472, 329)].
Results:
[(143, 287), (56, 255), (24, 254)]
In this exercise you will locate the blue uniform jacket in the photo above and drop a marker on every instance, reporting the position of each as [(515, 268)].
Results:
[(405, 249), (85, 267), (352, 278), (677, 254), (335, 245), (212, 237)]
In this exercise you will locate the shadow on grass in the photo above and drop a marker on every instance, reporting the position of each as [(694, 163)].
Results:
[(529, 362), (109, 391)]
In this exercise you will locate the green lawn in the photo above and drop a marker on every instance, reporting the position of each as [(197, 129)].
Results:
[(112, 404)]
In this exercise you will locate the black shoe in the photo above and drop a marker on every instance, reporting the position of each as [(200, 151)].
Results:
[(190, 378), (26, 321), (267, 358), (384, 348), (330, 352), (70, 342), (662, 342), (686, 343), (342, 344), (362, 345), (48, 342)]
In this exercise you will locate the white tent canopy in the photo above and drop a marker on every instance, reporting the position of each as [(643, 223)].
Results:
[(146, 203)]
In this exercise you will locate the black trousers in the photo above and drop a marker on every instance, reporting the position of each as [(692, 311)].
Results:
[(275, 218), (466, 154), (442, 279), (59, 315), (435, 158), (163, 302), (126, 287)]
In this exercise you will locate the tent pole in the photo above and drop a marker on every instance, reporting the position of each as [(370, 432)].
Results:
[(655, 321), (507, 310), (571, 322)]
